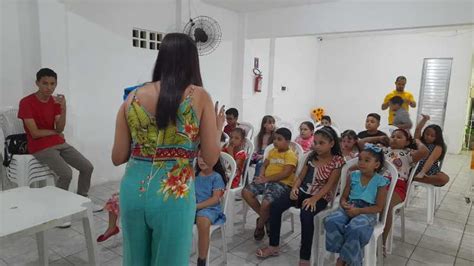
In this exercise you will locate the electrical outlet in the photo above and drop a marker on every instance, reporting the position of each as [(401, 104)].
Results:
[(283, 88)]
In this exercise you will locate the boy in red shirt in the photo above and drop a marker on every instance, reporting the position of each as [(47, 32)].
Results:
[(231, 117), (44, 119)]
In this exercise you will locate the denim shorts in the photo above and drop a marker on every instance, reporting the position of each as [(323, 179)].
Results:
[(270, 191)]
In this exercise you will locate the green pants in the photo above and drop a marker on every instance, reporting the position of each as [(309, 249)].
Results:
[(156, 231)]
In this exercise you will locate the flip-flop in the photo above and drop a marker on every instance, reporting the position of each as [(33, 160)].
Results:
[(264, 253)]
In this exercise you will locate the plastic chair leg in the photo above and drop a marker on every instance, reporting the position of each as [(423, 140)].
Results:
[(245, 209), (402, 222), (379, 256), (224, 245), (231, 211), (430, 206)]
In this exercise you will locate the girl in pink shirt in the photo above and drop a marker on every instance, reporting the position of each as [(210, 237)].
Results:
[(305, 139)]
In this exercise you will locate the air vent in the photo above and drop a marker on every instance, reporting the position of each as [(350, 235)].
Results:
[(146, 39)]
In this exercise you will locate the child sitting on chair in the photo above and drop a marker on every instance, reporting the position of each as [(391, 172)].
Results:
[(350, 228), (274, 182), (305, 139), (429, 170), (236, 149), (263, 139), (210, 184), (349, 146)]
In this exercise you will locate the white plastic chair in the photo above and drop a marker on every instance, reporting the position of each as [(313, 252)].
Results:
[(280, 124), (24, 169), (230, 166), (374, 248), (299, 153), (226, 139), (401, 211), (249, 129), (233, 192), (433, 194)]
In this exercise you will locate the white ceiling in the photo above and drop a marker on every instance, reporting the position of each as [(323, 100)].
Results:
[(258, 5)]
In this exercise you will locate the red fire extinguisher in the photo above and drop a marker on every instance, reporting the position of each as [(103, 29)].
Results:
[(257, 82)]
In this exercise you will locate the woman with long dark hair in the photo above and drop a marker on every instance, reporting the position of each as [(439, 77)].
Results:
[(158, 129)]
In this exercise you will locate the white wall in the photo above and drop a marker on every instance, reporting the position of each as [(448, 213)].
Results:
[(254, 104), (295, 67), (89, 44), (347, 16), (356, 72), (20, 50)]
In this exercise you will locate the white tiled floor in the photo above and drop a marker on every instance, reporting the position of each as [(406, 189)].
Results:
[(448, 241)]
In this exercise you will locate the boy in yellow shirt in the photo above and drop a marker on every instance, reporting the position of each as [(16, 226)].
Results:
[(275, 180)]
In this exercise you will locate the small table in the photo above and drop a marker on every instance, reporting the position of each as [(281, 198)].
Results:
[(25, 211)]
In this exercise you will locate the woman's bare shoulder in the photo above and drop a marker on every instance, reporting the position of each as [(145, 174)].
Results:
[(200, 95), (200, 98), (199, 91)]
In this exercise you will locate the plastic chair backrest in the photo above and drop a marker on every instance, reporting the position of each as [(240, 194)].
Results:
[(248, 147), (10, 123), (301, 163), (230, 168), (343, 180), (299, 152), (226, 139), (410, 180), (287, 125), (249, 129), (394, 174), (294, 147)]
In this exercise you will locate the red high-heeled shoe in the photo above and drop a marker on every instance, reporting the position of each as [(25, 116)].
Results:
[(106, 236)]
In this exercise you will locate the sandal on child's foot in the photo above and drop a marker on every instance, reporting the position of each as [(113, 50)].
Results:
[(264, 253)]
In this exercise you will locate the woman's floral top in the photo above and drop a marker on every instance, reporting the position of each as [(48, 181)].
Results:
[(171, 149)]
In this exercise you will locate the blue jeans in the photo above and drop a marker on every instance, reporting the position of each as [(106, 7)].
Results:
[(348, 236)]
